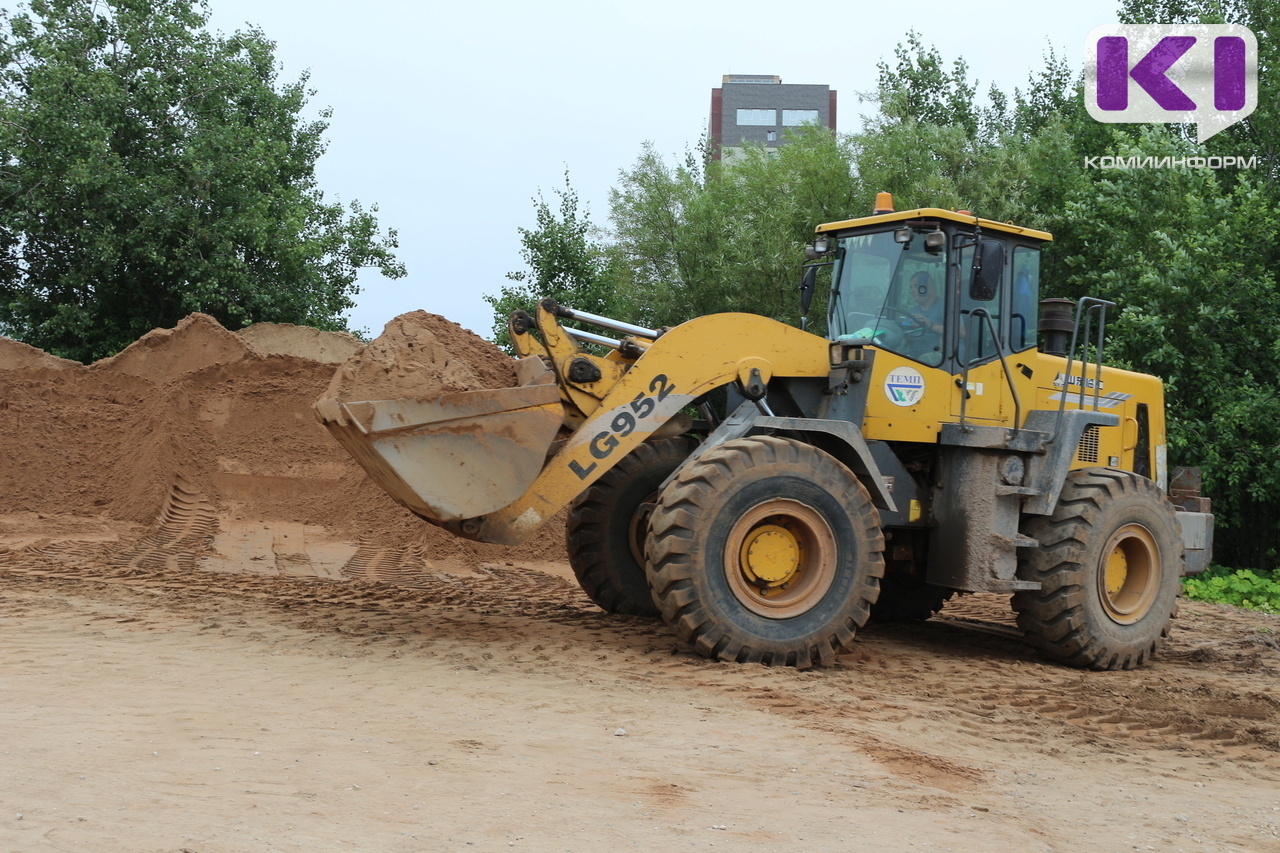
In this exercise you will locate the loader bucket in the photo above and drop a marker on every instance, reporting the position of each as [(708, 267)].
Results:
[(452, 457)]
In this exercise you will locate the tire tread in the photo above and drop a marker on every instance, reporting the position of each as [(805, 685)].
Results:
[(1057, 616), (672, 564)]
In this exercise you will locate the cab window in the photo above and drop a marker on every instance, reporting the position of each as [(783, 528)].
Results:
[(1026, 296), (891, 296)]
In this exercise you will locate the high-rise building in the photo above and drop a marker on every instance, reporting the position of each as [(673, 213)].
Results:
[(757, 108)]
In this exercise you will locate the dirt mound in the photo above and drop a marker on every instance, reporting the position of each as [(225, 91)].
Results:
[(301, 341), (15, 355), (81, 441), (164, 354), (422, 355), (198, 409)]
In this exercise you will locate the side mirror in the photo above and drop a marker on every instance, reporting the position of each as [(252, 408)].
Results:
[(806, 289), (988, 265)]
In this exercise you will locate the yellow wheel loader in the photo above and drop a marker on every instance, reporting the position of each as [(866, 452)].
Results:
[(932, 444)]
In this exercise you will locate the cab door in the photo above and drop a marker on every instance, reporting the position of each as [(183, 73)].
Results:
[(982, 333)]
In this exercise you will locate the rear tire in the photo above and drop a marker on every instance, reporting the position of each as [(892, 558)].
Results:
[(1110, 568), (608, 525), (766, 550)]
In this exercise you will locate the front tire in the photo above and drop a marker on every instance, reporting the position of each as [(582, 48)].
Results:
[(1110, 568), (766, 550)]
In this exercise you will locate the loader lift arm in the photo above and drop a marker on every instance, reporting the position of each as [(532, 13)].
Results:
[(680, 366)]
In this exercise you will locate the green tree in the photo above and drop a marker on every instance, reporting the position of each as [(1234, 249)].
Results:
[(933, 145), (919, 87), (149, 169), (706, 236), (565, 261), (650, 212), (1187, 254)]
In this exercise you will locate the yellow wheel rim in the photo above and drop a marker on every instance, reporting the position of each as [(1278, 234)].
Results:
[(780, 558), (1129, 574), (770, 556), (638, 528)]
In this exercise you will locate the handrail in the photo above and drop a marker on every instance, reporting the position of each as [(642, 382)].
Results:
[(1085, 308), (1004, 365)]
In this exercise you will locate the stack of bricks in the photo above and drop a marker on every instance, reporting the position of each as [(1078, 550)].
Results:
[(1184, 490)]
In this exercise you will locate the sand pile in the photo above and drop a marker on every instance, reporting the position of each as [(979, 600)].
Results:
[(15, 355), (422, 355), (161, 355), (229, 417), (302, 341)]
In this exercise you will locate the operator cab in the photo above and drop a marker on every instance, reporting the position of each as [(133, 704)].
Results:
[(943, 288)]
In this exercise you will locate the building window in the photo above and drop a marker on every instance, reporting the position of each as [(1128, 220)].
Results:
[(757, 118), (795, 118), (771, 136)]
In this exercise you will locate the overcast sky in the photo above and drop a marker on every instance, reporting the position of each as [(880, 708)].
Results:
[(452, 116)]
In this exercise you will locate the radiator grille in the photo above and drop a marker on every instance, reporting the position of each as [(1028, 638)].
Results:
[(1088, 450)]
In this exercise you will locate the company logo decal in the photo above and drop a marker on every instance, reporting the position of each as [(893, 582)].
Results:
[(1204, 74), (904, 386)]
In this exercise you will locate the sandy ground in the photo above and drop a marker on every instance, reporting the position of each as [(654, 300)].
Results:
[(158, 703)]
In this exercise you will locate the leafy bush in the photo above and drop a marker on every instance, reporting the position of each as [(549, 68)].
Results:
[(1240, 587)]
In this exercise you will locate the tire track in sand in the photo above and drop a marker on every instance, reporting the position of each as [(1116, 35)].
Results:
[(941, 672)]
